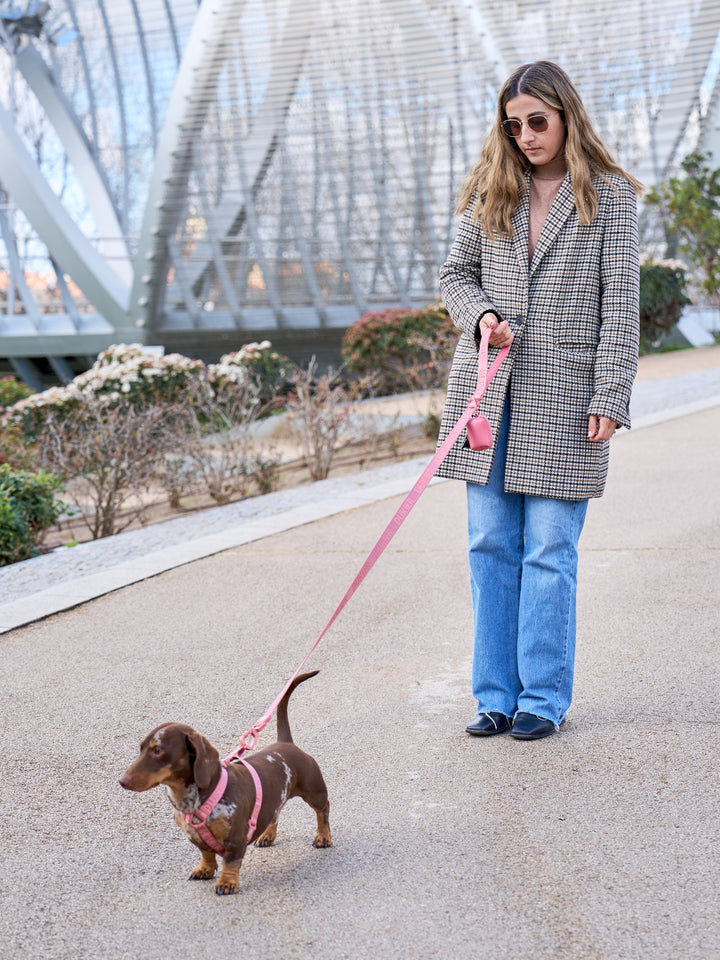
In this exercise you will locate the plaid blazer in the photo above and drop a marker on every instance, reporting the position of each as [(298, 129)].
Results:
[(575, 317)]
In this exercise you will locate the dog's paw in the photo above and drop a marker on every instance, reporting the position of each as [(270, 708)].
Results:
[(222, 889), (268, 838), (202, 873), (322, 840)]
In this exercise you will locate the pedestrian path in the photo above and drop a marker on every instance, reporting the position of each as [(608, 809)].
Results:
[(69, 576)]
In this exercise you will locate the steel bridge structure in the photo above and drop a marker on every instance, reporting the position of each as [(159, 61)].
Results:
[(196, 175)]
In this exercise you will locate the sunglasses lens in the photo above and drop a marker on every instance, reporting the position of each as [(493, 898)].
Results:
[(538, 124), (513, 128)]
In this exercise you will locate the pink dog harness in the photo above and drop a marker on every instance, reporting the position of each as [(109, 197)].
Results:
[(198, 819)]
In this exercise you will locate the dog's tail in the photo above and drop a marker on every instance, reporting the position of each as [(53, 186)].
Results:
[(283, 726)]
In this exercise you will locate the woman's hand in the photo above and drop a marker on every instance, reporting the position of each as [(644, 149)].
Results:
[(600, 428), (502, 335)]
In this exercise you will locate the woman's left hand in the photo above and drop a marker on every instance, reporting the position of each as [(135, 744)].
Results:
[(600, 428)]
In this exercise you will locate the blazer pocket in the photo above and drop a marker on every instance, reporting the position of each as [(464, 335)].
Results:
[(576, 352)]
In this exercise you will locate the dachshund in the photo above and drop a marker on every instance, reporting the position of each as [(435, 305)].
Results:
[(189, 766)]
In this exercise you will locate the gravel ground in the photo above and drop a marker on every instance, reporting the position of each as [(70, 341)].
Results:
[(598, 843)]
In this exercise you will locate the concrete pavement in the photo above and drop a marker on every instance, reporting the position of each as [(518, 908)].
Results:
[(600, 842)]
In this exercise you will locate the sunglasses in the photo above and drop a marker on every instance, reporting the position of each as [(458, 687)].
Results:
[(537, 123)]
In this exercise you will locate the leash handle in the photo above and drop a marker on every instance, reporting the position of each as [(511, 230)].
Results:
[(485, 375)]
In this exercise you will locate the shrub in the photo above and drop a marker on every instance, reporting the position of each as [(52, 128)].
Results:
[(689, 205), (319, 409), (401, 349), (111, 452), (12, 390), (124, 373), (214, 438), (120, 375), (14, 447), (27, 508), (259, 364), (662, 298)]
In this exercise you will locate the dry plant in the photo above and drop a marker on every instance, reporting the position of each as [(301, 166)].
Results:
[(176, 475), (110, 452), (215, 445), (319, 408)]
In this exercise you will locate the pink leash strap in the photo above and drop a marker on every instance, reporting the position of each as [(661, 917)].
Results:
[(484, 377)]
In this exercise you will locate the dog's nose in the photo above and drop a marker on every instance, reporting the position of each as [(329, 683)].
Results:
[(124, 782)]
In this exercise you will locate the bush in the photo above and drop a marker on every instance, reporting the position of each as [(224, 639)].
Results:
[(690, 205), (214, 439), (125, 374), (12, 390), (319, 409), (111, 452), (15, 451), (27, 508), (259, 365), (401, 349), (662, 298), (120, 375)]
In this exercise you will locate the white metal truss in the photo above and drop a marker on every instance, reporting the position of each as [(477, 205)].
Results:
[(202, 172)]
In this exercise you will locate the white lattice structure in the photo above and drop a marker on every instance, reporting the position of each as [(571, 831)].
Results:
[(200, 174)]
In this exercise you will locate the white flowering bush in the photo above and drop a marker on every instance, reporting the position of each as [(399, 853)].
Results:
[(256, 363), (125, 372), (120, 373)]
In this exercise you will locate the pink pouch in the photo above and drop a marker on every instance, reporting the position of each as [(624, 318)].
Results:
[(479, 433)]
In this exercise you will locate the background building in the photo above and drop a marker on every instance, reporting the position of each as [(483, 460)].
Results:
[(197, 175)]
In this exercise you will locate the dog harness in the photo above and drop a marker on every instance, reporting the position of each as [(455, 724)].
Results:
[(198, 819)]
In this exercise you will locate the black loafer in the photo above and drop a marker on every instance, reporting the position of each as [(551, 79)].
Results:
[(488, 724), (526, 726)]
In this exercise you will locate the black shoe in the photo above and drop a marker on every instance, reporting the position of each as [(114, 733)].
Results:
[(488, 724), (526, 726)]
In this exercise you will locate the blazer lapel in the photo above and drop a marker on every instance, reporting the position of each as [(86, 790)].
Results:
[(521, 231), (563, 206)]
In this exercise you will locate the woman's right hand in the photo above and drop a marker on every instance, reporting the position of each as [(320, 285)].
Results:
[(502, 335)]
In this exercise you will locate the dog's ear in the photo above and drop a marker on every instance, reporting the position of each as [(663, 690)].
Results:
[(206, 759)]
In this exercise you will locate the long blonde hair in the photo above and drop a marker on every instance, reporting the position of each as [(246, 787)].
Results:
[(497, 181)]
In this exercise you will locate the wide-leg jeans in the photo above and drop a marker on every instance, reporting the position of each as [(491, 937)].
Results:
[(523, 573)]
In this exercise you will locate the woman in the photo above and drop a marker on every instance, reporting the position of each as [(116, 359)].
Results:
[(547, 257)]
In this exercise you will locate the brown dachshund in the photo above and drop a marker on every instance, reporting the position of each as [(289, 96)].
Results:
[(189, 766)]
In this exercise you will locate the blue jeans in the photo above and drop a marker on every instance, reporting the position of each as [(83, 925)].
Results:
[(523, 575)]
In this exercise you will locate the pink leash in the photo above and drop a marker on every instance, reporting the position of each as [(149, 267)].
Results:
[(484, 377), (198, 819)]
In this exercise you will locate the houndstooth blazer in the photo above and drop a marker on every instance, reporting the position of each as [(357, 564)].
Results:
[(575, 317)]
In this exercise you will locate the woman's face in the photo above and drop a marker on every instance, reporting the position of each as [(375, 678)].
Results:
[(541, 147)]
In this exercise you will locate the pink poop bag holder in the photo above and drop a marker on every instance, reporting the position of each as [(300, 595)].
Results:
[(479, 431)]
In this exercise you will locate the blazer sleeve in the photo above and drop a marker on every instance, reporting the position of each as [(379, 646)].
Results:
[(461, 277), (617, 352)]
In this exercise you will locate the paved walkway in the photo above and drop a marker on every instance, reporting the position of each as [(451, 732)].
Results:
[(598, 843)]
